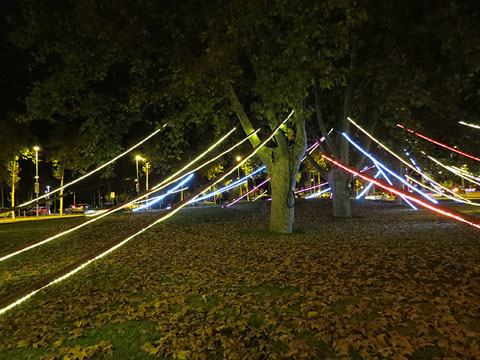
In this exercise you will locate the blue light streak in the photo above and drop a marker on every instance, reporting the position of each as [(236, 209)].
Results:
[(230, 186), (318, 193), (369, 186), (389, 171), (158, 198)]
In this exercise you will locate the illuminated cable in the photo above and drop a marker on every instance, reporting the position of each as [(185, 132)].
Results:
[(452, 171), (400, 193), (368, 187), (232, 185), (244, 195), (259, 196), (172, 190), (93, 171), (425, 176), (439, 143), (381, 166), (162, 218), (318, 193), (311, 187), (471, 125), (119, 207)]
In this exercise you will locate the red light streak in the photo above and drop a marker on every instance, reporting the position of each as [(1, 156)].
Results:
[(439, 143), (404, 194)]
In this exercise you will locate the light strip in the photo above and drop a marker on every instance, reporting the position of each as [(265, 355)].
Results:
[(452, 171), (243, 161), (471, 125), (368, 187), (400, 193), (164, 217), (438, 192), (244, 195), (318, 193), (232, 185), (259, 196), (380, 165), (119, 207), (93, 171), (310, 188), (172, 190), (439, 143), (425, 176)]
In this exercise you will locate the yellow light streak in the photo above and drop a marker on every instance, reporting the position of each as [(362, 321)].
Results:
[(163, 218), (471, 125), (110, 211), (425, 176), (93, 171), (451, 170)]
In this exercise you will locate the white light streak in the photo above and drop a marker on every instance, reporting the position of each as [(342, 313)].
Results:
[(471, 125), (94, 171), (100, 215), (425, 176), (163, 218)]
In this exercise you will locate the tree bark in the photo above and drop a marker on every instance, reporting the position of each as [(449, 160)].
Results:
[(282, 164), (338, 180)]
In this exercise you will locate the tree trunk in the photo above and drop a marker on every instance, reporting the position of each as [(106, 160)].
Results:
[(282, 163), (3, 197), (283, 173), (338, 180)]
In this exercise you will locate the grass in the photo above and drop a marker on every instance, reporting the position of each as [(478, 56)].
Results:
[(213, 282)]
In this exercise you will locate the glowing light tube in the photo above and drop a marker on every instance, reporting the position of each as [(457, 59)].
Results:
[(380, 165), (230, 186), (368, 187), (425, 176), (408, 196), (244, 195), (310, 188), (452, 171), (172, 190), (152, 223), (94, 171), (471, 125), (318, 193), (259, 196), (439, 192), (439, 143), (119, 207)]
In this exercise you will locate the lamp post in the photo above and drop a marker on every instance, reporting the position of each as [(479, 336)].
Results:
[(137, 185), (239, 158), (37, 185)]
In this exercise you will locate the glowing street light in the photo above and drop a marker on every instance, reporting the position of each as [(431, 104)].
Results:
[(137, 185), (239, 158), (37, 185)]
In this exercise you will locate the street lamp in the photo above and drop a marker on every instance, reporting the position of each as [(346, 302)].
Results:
[(37, 185), (239, 158), (137, 185)]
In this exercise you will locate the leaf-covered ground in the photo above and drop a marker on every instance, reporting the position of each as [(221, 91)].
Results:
[(212, 283)]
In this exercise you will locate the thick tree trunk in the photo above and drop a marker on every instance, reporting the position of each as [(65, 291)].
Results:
[(282, 163), (283, 173), (338, 181)]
